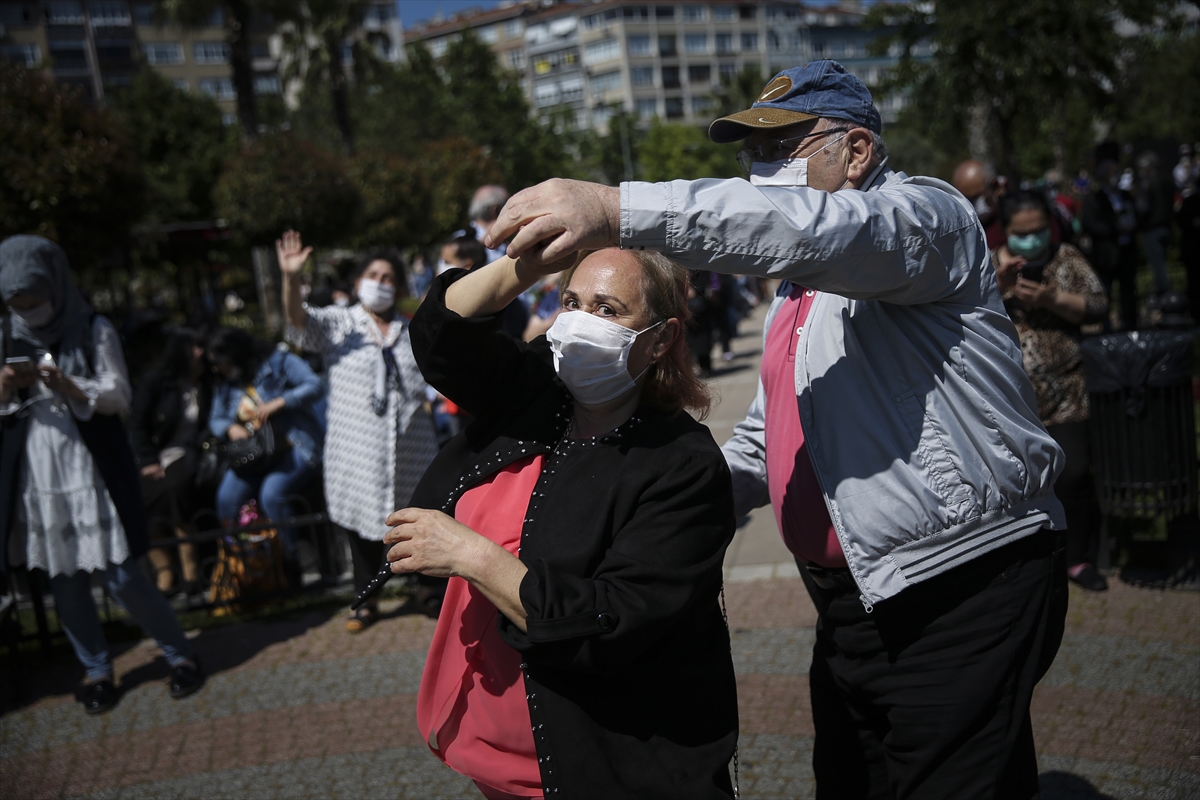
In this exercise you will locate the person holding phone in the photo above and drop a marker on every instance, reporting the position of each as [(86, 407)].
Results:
[(1049, 291), (70, 498)]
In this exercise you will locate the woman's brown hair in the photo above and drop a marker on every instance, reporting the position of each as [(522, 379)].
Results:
[(671, 383)]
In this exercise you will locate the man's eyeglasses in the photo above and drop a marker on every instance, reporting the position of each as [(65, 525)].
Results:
[(775, 149)]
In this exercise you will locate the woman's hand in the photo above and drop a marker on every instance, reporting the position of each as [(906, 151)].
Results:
[(1034, 294), (236, 433), (1008, 268), (11, 380), (154, 472), (291, 253), (432, 543), (264, 411), (58, 381)]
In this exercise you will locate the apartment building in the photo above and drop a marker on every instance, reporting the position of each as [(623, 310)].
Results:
[(586, 59), (98, 45)]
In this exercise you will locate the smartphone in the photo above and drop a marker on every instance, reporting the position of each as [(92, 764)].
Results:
[(1035, 274), (22, 365)]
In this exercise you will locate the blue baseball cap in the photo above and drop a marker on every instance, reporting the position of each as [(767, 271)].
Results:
[(818, 89)]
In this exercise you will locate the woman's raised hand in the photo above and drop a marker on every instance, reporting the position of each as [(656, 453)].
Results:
[(291, 252)]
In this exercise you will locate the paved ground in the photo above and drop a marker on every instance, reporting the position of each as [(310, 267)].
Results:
[(296, 707)]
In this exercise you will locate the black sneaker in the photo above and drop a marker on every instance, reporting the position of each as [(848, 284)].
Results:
[(186, 679), (99, 697), (1087, 576)]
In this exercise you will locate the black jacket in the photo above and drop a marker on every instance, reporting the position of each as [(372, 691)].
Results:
[(157, 412), (627, 663)]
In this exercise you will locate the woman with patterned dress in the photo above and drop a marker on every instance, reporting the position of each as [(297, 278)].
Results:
[(379, 431), (1049, 292)]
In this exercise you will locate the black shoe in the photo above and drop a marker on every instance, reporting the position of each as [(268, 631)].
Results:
[(99, 697), (186, 679), (1089, 578)]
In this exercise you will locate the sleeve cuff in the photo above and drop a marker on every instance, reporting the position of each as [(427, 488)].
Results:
[(647, 212)]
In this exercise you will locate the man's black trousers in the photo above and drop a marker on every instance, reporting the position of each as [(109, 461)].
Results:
[(928, 695)]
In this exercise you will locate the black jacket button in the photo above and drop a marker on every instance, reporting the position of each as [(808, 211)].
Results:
[(606, 622)]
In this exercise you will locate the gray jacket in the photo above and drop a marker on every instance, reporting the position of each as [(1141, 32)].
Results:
[(919, 418)]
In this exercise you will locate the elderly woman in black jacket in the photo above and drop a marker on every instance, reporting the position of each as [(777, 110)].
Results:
[(583, 518)]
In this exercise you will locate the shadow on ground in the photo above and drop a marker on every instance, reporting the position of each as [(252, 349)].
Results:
[(1065, 786)]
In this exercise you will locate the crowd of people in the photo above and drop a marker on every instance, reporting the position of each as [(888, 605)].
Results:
[(530, 446)]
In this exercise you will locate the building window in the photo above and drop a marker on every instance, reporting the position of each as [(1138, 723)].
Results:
[(113, 53), (210, 52), (666, 45), (27, 55), (545, 94), (217, 88), (229, 119), (376, 15), (64, 12), (571, 90), (636, 13), (724, 43), (642, 76), (437, 48), (181, 84), (749, 42), (17, 15), (674, 106), (646, 107), (664, 12), (513, 29), (727, 71), (670, 77), (109, 13), (162, 53), (489, 34), (638, 45), (701, 106), (68, 55), (266, 84), (723, 14), (601, 115), (606, 81), (694, 13), (696, 43), (699, 73), (216, 19), (516, 58), (747, 12), (604, 50), (143, 14)]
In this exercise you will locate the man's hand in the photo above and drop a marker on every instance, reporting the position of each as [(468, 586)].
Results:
[(557, 218), (292, 253)]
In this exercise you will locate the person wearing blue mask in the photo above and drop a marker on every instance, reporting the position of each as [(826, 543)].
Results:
[(894, 432), (1049, 291)]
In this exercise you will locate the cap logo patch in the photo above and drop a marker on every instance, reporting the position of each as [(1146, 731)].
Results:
[(780, 86)]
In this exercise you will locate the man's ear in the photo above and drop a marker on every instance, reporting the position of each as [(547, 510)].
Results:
[(860, 149)]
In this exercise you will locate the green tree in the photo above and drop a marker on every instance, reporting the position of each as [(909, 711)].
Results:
[(674, 151), (997, 67), (281, 181), (1160, 97), (180, 142), (738, 92), (69, 173)]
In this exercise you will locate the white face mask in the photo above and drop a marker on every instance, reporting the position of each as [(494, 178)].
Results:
[(591, 355), (38, 316), (376, 296), (785, 172)]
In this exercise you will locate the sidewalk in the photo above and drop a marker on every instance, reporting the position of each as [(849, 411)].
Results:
[(295, 707)]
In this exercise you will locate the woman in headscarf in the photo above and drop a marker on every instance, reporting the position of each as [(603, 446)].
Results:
[(70, 498), (380, 435)]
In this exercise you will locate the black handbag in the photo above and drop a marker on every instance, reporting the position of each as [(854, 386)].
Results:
[(253, 456)]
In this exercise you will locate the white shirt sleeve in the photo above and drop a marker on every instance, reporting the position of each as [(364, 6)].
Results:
[(108, 391)]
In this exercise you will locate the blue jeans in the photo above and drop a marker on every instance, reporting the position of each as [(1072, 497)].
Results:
[(286, 477), (129, 587)]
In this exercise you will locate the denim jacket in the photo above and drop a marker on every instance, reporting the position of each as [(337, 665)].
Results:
[(920, 421), (282, 375)]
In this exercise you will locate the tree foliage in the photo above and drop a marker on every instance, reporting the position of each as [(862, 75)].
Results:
[(69, 173), (180, 142), (683, 152), (281, 181)]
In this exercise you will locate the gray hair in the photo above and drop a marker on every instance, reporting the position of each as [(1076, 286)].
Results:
[(487, 202), (879, 148)]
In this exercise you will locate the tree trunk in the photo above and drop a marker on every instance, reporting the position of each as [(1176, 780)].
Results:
[(337, 90), (241, 61), (979, 131), (268, 283)]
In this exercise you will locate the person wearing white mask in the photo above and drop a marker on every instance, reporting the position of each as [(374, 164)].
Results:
[(379, 431), (894, 433), (583, 516)]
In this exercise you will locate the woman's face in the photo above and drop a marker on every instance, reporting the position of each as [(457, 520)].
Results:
[(378, 270), (1027, 221), (609, 284)]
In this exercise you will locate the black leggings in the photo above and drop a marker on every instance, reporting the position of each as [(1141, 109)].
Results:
[(366, 556), (1075, 489)]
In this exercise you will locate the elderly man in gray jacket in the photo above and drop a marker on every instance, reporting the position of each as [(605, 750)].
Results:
[(894, 432)]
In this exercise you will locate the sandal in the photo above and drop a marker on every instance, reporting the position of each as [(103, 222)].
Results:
[(362, 619)]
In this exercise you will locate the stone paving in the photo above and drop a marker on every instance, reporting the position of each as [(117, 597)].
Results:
[(295, 707)]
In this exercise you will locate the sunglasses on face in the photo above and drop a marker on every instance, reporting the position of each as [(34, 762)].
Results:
[(775, 149)]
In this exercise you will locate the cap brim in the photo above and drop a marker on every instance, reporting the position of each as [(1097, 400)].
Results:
[(738, 126)]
